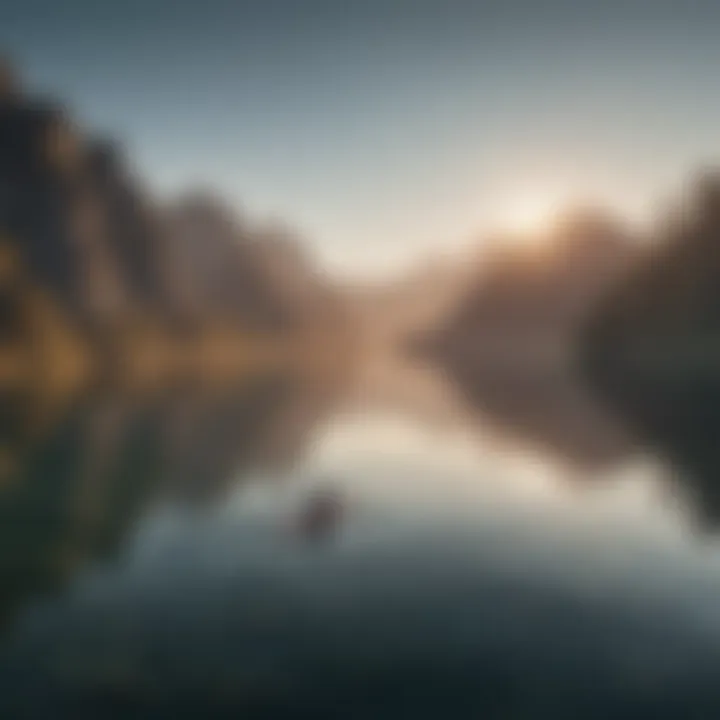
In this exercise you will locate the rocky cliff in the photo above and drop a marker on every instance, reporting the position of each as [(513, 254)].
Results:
[(134, 277)]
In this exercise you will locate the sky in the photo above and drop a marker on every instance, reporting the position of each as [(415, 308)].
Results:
[(385, 130)]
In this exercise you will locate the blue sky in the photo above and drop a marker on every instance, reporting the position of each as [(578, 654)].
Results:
[(384, 129)]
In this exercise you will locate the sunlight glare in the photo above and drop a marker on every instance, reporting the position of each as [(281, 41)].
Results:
[(526, 216), (529, 217)]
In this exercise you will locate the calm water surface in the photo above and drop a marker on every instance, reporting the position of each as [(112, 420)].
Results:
[(511, 552)]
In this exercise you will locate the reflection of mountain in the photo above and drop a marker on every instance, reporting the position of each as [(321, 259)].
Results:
[(72, 491), (507, 343), (389, 382), (536, 405), (651, 348), (70, 498), (549, 407), (78, 475), (212, 438)]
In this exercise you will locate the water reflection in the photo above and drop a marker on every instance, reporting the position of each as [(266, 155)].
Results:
[(73, 491), (74, 485), (542, 401), (676, 413), (181, 500)]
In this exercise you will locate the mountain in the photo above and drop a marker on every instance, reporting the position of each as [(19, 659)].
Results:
[(83, 224), (225, 275), (506, 343), (142, 281), (134, 235), (650, 349), (540, 290), (671, 297), (39, 348), (389, 314), (47, 208)]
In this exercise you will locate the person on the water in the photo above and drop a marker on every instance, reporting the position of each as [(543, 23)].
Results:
[(322, 514)]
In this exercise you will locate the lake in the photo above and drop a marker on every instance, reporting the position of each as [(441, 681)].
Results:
[(509, 550)]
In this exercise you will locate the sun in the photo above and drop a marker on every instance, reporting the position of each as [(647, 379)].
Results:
[(529, 217)]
